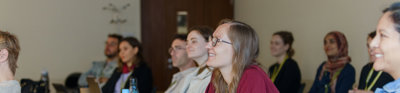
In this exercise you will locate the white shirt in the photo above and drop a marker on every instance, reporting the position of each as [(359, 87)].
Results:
[(178, 84), (199, 82), (11, 86)]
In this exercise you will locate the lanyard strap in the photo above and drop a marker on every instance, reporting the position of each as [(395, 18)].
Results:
[(369, 77), (326, 88), (335, 76), (277, 70), (122, 85)]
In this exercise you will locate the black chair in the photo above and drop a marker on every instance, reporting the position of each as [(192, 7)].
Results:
[(60, 88), (71, 84), (72, 80), (301, 89)]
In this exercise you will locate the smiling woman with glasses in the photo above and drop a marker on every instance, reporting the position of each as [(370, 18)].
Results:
[(216, 40), (232, 53)]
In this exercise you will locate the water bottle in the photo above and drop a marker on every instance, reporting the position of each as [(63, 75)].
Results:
[(44, 78), (125, 91), (133, 86)]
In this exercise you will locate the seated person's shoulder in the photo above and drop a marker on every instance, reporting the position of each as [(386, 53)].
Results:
[(254, 71), (98, 62), (349, 67)]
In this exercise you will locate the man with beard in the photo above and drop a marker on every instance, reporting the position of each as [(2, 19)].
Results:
[(102, 70)]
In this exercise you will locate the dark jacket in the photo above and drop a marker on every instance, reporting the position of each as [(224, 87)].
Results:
[(382, 80), (289, 77), (141, 72), (344, 81)]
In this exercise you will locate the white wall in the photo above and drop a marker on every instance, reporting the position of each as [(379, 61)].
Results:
[(310, 20), (62, 36)]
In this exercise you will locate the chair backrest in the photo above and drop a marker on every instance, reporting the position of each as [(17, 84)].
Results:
[(60, 88), (72, 80), (301, 89)]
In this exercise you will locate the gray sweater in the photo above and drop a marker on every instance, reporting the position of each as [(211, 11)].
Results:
[(99, 69), (11, 86)]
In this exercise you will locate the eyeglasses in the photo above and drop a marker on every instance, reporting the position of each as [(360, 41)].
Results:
[(175, 49), (111, 44), (214, 41)]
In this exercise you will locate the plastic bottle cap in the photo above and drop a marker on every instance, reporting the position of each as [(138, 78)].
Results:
[(125, 90)]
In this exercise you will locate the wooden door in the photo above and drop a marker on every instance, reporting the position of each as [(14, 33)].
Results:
[(159, 25)]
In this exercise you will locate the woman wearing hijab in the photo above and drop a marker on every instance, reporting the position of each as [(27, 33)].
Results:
[(336, 74)]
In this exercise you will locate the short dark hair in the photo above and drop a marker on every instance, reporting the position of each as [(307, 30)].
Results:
[(205, 31), (117, 36), (180, 37), (372, 34), (395, 8)]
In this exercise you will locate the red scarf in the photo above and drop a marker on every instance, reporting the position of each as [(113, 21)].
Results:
[(126, 69)]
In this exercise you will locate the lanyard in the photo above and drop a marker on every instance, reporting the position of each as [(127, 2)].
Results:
[(335, 76), (122, 85), (277, 70), (369, 77)]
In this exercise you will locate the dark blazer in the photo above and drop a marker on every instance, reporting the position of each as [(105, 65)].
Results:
[(289, 78), (141, 72), (382, 80), (344, 81)]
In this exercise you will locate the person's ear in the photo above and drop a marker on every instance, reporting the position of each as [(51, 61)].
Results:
[(3, 55), (286, 46), (135, 50)]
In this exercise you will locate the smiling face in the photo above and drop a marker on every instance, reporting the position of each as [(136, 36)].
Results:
[(220, 55), (386, 45), (331, 46), (278, 47), (196, 45)]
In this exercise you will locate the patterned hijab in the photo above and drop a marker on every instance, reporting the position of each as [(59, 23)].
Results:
[(335, 63), (338, 61)]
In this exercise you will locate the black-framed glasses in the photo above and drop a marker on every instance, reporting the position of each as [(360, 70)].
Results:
[(214, 41), (175, 48)]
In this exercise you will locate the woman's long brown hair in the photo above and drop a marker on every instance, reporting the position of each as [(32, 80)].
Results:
[(245, 43)]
